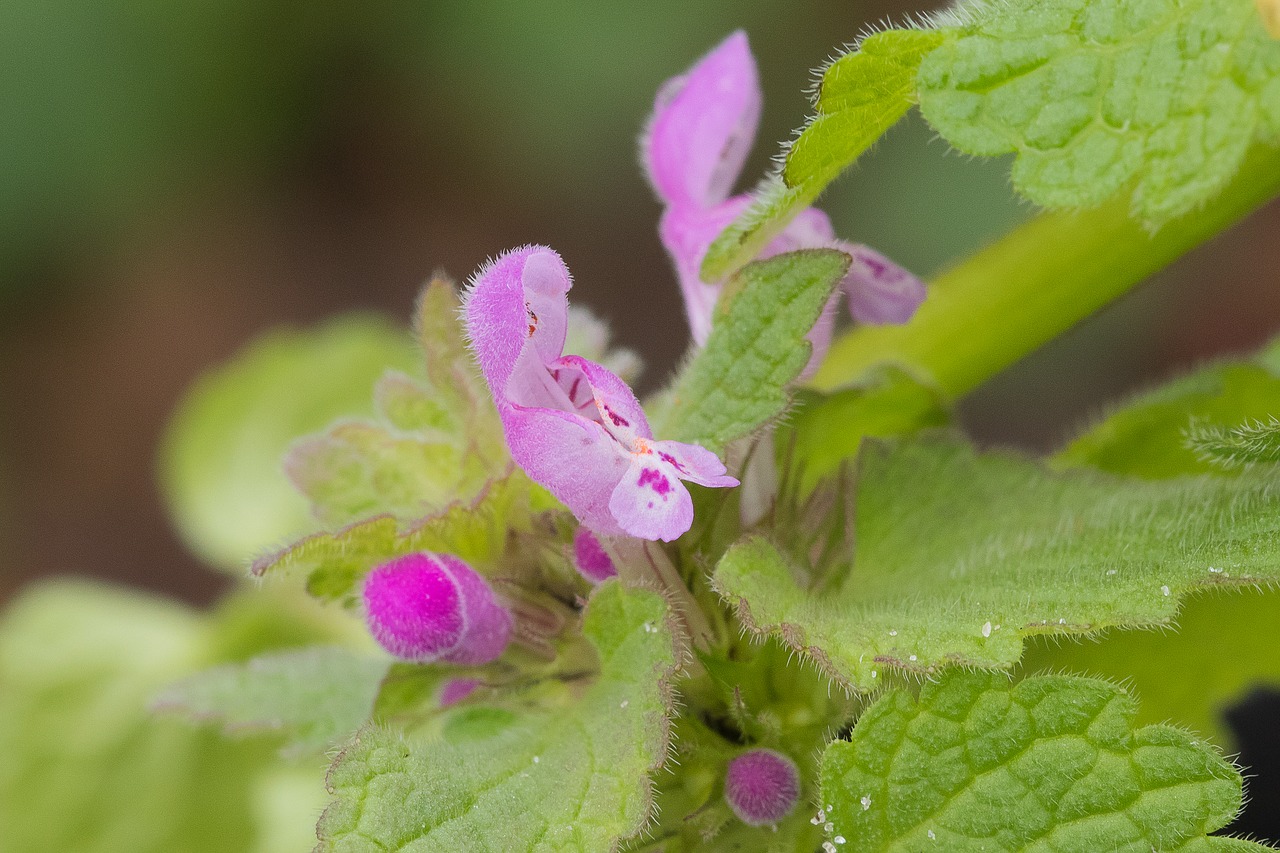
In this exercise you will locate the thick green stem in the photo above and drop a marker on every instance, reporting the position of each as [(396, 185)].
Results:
[(1010, 298)]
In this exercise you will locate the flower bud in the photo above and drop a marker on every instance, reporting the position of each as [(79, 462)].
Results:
[(428, 607), (590, 558), (762, 786), (456, 690)]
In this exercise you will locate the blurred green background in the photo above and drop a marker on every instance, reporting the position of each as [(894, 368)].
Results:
[(177, 177)]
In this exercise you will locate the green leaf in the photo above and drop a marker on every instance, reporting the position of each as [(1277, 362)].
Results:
[(1099, 96), (824, 431), (220, 459), (738, 381), (569, 778), (1052, 763), (87, 768), (961, 555), (357, 469), (334, 563), (1147, 437), (1247, 444), (862, 95), (317, 696), (1224, 645)]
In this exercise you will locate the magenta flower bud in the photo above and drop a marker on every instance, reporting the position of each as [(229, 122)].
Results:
[(457, 689), (428, 607), (590, 558), (762, 786)]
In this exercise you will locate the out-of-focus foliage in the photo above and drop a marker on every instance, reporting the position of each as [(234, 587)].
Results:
[(88, 768), (221, 460)]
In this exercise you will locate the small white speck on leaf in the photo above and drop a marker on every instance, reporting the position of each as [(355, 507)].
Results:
[(866, 802), (911, 657), (1111, 571), (1164, 590), (828, 847), (536, 759), (839, 839), (893, 632), (624, 703), (932, 837), (986, 629)]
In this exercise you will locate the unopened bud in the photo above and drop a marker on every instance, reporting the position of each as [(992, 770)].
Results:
[(457, 689), (428, 607), (590, 558), (762, 786)]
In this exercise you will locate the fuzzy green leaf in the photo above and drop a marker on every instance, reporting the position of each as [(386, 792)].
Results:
[(1099, 96), (824, 431), (220, 461), (1050, 764), (569, 778), (316, 697), (334, 563), (1223, 644), (961, 555), (758, 346), (87, 768), (1252, 443), (863, 94), (357, 469), (1147, 437)]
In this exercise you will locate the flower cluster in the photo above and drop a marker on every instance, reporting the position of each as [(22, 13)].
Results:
[(576, 428), (702, 128)]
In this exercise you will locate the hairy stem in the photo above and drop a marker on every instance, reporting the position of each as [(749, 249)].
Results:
[(1022, 291)]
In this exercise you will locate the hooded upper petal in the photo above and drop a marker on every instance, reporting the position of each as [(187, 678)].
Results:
[(571, 424), (702, 127)]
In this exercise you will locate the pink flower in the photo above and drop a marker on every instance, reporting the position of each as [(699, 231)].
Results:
[(762, 786), (590, 558), (572, 425), (701, 130), (434, 607)]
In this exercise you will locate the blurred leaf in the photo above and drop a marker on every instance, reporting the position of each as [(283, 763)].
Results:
[(1162, 98), (1224, 645), (571, 778), (758, 346), (221, 457), (85, 766), (434, 442), (316, 697), (334, 563), (1247, 444), (356, 470), (824, 431), (863, 94), (961, 555), (1052, 763), (1147, 437)]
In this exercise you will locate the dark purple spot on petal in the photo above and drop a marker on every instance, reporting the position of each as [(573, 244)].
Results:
[(656, 480), (617, 419), (671, 460)]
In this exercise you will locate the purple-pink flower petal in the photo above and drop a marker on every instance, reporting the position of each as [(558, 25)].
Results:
[(703, 125), (590, 558), (572, 425), (879, 290), (762, 786)]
